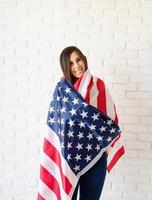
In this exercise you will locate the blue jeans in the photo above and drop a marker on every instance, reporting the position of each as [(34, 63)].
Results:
[(91, 183)]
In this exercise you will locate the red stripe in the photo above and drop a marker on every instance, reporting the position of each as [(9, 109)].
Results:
[(115, 140), (40, 197), (50, 181), (101, 98), (116, 157), (87, 97), (53, 153)]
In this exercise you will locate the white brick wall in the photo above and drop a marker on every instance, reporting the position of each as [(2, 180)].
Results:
[(116, 36)]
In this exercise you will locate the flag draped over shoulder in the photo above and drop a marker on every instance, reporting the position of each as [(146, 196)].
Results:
[(82, 124)]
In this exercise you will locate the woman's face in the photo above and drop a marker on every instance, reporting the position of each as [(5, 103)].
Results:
[(77, 65)]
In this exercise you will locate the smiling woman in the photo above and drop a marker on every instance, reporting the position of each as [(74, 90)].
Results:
[(73, 63), (83, 130)]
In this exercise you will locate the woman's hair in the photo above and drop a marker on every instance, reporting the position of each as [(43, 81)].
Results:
[(65, 62)]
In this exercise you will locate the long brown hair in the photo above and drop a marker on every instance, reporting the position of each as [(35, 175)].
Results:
[(65, 62)]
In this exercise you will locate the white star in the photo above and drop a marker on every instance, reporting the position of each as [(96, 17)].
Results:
[(51, 109), (77, 168), (67, 90), (82, 124), (89, 147), (69, 145), (65, 99), (84, 114), (51, 120), (58, 98), (95, 116), (70, 134), (69, 157), (112, 130), (71, 122), (90, 136), (75, 101), (62, 145), (84, 104), (79, 146), (73, 112), (63, 109), (97, 147), (92, 127), (62, 121), (78, 157), (80, 135), (99, 138), (88, 158), (102, 129), (109, 139), (109, 122)]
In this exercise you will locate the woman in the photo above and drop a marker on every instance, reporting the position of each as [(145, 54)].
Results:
[(83, 130), (74, 64)]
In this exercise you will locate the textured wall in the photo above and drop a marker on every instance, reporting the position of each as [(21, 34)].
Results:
[(116, 37)]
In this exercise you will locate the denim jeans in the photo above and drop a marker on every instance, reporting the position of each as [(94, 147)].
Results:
[(91, 183)]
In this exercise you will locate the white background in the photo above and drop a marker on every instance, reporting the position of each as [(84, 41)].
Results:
[(116, 37)]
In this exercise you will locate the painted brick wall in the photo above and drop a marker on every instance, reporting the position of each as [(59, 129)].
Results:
[(116, 36)]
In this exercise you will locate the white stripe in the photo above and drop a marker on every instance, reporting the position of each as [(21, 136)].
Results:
[(109, 105), (53, 139), (113, 150), (53, 169), (45, 192), (94, 93), (84, 84)]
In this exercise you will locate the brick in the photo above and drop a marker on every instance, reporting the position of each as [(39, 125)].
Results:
[(137, 111), (116, 12), (138, 95), (138, 145), (103, 4)]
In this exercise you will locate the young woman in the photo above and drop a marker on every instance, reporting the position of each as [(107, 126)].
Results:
[(83, 131)]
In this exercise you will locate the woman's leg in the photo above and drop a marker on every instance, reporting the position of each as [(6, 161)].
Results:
[(92, 181)]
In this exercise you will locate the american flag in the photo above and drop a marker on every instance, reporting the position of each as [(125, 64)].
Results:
[(79, 133)]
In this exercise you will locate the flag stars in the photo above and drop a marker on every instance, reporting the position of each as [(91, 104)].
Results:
[(109, 139), (58, 98), (65, 99), (100, 138), (70, 134), (112, 130), (90, 136), (84, 104), (78, 157), (73, 112), (82, 124), (51, 120), (97, 147), (79, 146), (95, 116), (109, 122), (51, 109), (84, 114), (75, 101), (67, 90), (71, 122), (69, 145), (92, 127), (77, 168), (102, 129), (88, 158), (89, 147), (63, 109), (69, 157), (80, 135)]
